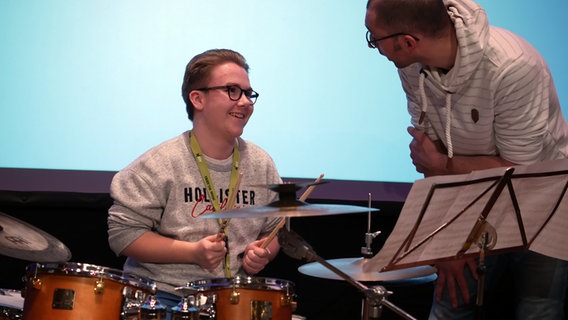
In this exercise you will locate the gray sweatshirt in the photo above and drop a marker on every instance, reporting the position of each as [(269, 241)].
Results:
[(163, 191)]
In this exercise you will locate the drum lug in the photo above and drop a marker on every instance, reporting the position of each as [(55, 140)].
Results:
[(36, 283), (234, 296), (294, 305), (288, 300), (99, 286)]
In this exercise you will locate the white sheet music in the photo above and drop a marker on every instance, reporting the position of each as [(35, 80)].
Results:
[(452, 211)]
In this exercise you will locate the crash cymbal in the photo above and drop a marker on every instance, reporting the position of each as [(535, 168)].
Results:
[(304, 210), (353, 267), (21, 240), (288, 205)]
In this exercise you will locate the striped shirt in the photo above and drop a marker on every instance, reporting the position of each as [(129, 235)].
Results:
[(498, 99)]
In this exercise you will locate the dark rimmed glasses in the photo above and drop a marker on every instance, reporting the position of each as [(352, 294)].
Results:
[(372, 42), (235, 92)]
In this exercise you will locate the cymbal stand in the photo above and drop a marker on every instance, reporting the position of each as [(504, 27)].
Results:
[(375, 297), (367, 250)]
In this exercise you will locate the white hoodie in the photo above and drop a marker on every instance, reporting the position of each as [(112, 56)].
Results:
[(498, 99)]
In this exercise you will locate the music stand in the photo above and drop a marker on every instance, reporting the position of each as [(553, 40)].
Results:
[(439, 211)]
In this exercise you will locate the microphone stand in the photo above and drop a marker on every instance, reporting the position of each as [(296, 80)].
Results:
[(375, 297)]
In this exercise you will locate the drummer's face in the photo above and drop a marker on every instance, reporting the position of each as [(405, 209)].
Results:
[(222, 115)]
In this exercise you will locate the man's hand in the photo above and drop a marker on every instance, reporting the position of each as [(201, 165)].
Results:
[(451, 276), (427, 155)]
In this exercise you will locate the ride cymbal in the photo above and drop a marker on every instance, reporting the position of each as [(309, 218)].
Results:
[(21, 240), (353, 267)]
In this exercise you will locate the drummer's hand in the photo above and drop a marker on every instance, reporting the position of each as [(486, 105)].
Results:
[(210, 252), (451, 274), (255, 257)]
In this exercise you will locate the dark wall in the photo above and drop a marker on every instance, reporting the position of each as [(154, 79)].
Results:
[(78, 220)]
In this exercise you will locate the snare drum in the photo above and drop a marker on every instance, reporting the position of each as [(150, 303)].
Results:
[(72, 291), (245, 298), (11, 304)]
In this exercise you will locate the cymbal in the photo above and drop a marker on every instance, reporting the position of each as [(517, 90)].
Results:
[(303, 210), (353, 267), (21, 240), (287, 205)]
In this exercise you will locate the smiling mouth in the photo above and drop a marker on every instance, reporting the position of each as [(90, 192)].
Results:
[(237, 115)]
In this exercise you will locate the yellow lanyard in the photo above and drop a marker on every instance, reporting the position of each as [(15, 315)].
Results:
[(205, 175)]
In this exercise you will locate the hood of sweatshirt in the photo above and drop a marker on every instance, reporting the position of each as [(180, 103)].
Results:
[(472, 33)]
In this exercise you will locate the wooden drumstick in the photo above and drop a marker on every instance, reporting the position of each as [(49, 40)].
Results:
[(282, 222), (233, 196)]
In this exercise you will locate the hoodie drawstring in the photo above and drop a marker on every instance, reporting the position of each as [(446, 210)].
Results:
[(448, 127), (422, 96)]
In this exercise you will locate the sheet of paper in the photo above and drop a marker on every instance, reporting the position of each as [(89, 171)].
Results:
[(440, 213)]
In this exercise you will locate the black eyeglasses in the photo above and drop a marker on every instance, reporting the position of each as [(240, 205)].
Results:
[(372, 42), (235, 92)]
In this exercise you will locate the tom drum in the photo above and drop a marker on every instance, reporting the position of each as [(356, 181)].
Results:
[(73, 291), (245, 298)]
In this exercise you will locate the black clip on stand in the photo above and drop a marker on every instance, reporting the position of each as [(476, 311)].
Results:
[(375, 297)]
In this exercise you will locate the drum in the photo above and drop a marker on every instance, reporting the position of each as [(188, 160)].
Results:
[(11, 304), (245, 298), (73, 291)]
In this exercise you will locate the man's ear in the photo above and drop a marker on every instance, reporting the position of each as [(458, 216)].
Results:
[(196, 97), (410, 42)]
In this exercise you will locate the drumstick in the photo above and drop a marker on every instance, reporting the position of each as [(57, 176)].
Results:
[(303, 197), (311, 188), (233, 196)]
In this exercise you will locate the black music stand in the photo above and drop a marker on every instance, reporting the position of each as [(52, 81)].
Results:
[(439, 211)]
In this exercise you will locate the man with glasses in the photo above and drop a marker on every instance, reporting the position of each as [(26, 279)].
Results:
[(479, 97), (159, 197)]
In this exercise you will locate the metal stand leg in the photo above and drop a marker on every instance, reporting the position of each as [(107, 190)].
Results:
[(481, 268), (371, 309), (375, 299), (486, 241)]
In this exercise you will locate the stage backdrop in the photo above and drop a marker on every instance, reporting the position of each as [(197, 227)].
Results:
[(90, 85)]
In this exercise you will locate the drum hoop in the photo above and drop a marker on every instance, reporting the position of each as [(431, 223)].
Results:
[(91, 270), (262, 283)]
